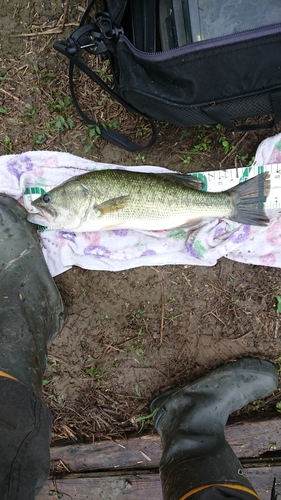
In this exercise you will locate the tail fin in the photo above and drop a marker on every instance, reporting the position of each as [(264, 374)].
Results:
[(248, 200)]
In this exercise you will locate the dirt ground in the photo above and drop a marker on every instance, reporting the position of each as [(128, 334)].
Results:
[(129, 334)]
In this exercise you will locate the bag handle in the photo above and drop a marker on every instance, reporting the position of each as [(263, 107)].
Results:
[(94, 44), (218, 114)]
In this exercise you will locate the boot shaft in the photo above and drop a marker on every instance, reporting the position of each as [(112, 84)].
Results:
[(191, 423), (31, 308)]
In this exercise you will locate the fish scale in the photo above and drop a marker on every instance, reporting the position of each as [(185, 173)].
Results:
[(157, 192)]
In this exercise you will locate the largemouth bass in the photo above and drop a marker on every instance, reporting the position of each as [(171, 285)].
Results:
[(115, 199)]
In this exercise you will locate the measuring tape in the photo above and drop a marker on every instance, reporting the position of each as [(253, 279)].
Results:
[(221, 180)]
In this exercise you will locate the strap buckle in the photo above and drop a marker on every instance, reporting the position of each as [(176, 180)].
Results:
[(90, 37), (86, 37)]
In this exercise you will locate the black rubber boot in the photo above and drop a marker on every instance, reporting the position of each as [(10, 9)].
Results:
[(31, 308), (191, 423)]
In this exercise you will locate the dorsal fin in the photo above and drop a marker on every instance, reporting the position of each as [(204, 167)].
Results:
[(187, 180)]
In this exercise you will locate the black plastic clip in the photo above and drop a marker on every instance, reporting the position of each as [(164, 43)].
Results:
[(103, 21), (86, 37)]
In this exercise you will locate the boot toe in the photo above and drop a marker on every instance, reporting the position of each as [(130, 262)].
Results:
[(230, 386)]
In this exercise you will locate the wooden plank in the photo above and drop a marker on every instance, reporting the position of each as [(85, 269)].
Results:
[(255, 438), (248, 440), (134, 487), (262, 479), (135, 453), (111, 488)]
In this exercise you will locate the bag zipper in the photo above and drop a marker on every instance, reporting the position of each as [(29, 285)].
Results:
[(119, 17), (205, 44)]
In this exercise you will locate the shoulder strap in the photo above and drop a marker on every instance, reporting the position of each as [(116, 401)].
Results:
[(88, 37), (107, 133)]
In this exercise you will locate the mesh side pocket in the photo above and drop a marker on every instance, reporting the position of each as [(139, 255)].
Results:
[(189, 116)]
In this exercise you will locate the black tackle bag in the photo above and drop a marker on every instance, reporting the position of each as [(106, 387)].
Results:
[(185, 62)]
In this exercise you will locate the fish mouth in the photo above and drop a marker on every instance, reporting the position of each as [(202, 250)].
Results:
[(48, 213)]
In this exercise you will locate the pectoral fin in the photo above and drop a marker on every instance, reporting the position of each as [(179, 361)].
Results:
[(112, 205)]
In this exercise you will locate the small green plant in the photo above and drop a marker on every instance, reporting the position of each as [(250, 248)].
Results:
[(3, 111), (278, 303), (173, 318), (83, 290), (226, 146), (53, 364), (44, 78), (141, 158), (139, 351), (205, 145), (145, 420), (8, 144), (138, 390), (184, 134), (60, 104), (29, 111), (136, 315), (139, 346), (96, 372), (186, 160), (141, 132), (234, 299), (58, 124), (104, 72), (256, 405), (278, 406), (62, 123), (5, 78), (221, 138), (242, 158), (59, 399), (40, 138), (114, 124), (102, 99), (93, 134), (245, 158), (52, 367), (94, 131)]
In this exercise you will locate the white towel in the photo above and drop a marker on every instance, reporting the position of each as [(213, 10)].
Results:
[(202, 244)]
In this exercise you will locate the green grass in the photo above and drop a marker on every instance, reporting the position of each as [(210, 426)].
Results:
[(137, 314), (139, 344), (145, 420), (278, 303)]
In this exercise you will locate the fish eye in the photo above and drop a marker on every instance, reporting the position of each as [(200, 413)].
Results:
[(46, 198)]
